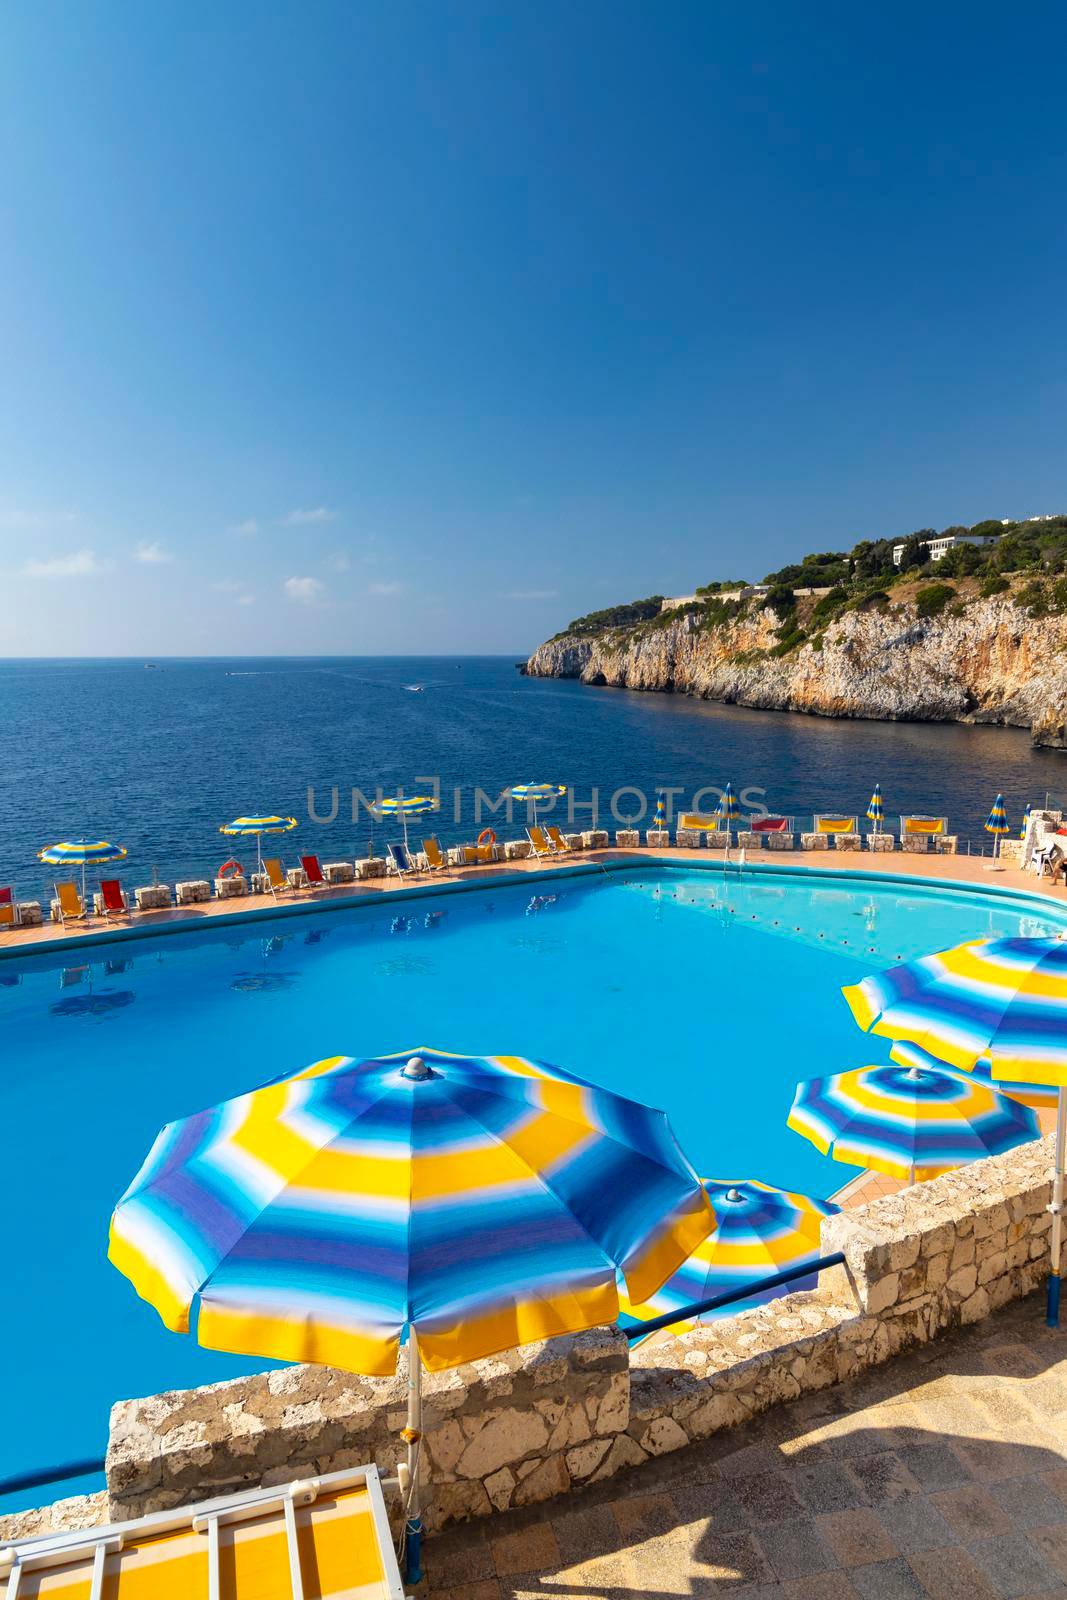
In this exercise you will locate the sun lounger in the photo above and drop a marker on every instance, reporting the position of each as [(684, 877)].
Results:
[(313, 872), (435, 859), (113, 899), (70, 902), (400, 859), (835, 824), (557, 839), (326, 1536), (277, 882), (8, 916), (539, 842)]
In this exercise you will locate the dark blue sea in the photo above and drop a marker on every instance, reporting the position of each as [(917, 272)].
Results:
[(157, 758)]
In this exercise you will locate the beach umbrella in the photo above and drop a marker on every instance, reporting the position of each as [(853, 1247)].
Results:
[(659, 821), (875, 813), (760, 1230), (908, 1122), (1002, 1000), (997, 824), (1025, 822), (728, 808), (530, 793), (81, 853), (1038, 1096), (241, 826), (467, 1203), (405, 806)]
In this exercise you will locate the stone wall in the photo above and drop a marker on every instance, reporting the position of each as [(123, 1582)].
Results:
[(526, 1425)]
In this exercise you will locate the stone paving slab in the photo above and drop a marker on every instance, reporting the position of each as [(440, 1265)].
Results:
[(940, 1476)]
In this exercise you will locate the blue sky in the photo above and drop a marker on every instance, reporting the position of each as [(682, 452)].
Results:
[(392, 328)]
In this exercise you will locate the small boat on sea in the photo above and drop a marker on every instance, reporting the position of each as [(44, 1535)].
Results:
[(413, 688)]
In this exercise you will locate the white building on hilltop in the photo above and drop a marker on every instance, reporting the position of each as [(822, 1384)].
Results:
[(944, 542)]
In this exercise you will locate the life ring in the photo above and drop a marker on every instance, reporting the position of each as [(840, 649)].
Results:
[(231, 869), (487, 836)]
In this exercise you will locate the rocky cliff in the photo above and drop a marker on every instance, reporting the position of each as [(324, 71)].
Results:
[(982, 660)]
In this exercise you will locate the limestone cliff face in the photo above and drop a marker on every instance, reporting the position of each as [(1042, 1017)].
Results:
[(992, 664)]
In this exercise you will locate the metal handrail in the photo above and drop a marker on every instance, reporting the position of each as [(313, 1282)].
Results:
[(804, 1269), (42, 1475)]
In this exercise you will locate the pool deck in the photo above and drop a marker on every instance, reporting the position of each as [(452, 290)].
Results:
[(961, 870), (941, 1475)]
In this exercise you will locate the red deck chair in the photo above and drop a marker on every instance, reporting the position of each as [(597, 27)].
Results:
[(7, 908), (313, 872), (113, 899)]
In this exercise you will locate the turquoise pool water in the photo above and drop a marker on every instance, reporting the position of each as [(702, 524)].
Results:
[(708, 996)]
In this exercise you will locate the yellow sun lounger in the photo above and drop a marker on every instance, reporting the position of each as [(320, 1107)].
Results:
[(557, 839), (71, 905), (835, 824), (539, 843), (435, 858), (921, 825), (277, 882), (318, 1539)]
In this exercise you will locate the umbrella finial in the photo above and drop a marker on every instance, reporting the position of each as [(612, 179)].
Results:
[(417, 1069), (734, 1195)]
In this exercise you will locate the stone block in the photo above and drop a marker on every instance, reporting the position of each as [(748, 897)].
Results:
[(152, 897), (575, 841), (192, 891), (916, 844), (629, 838), (749, 841), (231, 888), (779, 841), (297, 878), (687, 839), (28, 914), (517, 849), (946, 844), (848, 841), (655, 838), (881, 842), (814, 841), (369, 867), (339, 872), (716, 840), (595, 839)]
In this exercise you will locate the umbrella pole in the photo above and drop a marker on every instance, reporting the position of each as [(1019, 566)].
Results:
[(1052, 1310), (413, 1435)]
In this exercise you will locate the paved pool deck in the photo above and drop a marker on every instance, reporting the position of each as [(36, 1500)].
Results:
[(939, 1476), (963, 870)]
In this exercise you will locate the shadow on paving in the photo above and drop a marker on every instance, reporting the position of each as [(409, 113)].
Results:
[(942, 1474)]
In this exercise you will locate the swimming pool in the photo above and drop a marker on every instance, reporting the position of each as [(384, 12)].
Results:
[(706, 994)]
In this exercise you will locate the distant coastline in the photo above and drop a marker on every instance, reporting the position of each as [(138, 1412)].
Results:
[(979, 659)]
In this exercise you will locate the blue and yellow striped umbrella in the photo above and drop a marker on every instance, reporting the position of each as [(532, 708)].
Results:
[(659, 821), (1038, 1096), (258, 826), (728, 807), (997, 820), (476, 1202), (1025, 821), (907, 1122), (537, 791), (405, 806), (998, 1000), (760, 1231), (1001, 999), (875, 812), (81, 853)]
